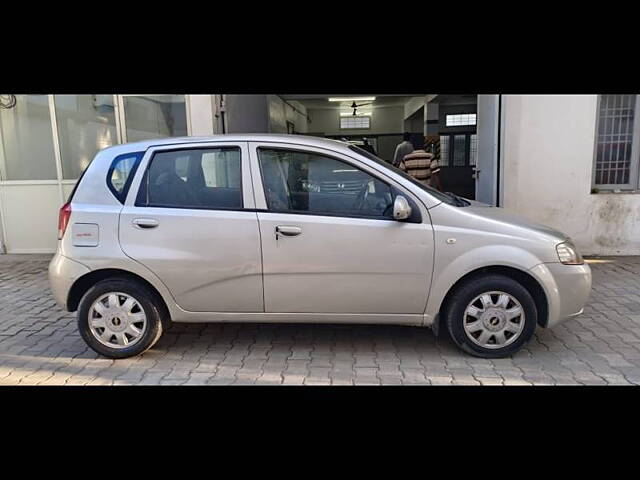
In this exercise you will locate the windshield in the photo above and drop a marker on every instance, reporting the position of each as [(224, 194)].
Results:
[(443, 197)]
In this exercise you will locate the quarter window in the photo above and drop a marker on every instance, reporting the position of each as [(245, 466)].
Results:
[(300, 182), (121, 173), (195, 178)]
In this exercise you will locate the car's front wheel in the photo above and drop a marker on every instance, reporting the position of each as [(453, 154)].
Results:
[(119, 318), (491, 316)]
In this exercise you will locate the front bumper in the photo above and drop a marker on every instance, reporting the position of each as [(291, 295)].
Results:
[(63, 272), (567, 288)]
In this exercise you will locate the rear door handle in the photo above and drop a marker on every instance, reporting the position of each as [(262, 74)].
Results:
[(287, 231), (145, 222)]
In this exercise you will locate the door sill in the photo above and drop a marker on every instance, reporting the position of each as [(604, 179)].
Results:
[(343, 318)]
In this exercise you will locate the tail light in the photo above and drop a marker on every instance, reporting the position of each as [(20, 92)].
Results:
[(63, 219)]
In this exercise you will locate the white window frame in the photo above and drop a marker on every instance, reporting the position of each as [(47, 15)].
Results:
[(118, 103), (355, 128), (634, 181), (459, 115)]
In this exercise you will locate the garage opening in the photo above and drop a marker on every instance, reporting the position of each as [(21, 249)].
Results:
[(445, 125)]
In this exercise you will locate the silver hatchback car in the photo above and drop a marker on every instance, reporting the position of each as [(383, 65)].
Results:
[(283, 228)]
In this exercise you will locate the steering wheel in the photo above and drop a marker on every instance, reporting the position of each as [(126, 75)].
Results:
[(388, 211), (362, 196)]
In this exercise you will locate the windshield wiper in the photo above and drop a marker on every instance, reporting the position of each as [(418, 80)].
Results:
[(459, 201)]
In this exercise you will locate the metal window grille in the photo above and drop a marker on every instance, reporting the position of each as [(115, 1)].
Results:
[(459, 150), (355, 121), (473, 151), (615, 152), (444, 150)]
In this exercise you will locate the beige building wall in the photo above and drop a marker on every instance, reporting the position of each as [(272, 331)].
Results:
[(547, 164)]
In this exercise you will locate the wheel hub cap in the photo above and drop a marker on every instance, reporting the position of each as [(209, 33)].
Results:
[(117, 320), (493, 319)]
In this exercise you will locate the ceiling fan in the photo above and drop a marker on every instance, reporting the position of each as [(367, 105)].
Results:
[(355, 106)]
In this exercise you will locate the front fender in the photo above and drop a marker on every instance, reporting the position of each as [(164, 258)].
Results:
[(449, 268)]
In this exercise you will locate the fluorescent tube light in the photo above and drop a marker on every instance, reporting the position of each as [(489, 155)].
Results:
[(352, 99)]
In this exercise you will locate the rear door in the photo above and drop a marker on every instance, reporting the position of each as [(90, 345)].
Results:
[(192, 221)]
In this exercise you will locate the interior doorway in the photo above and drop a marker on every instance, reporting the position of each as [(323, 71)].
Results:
[(378, 120), (452, 128), (460, 130)]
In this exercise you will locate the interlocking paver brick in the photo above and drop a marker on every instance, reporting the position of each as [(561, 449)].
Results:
[(39, 345)]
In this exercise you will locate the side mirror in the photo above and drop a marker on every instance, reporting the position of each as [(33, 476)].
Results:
[(401, 208)]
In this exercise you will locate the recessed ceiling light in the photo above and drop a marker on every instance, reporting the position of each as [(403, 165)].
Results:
[(352, 99)]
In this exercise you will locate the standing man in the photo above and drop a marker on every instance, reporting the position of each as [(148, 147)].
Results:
[(423, 167), (404, 148), (432, 145)]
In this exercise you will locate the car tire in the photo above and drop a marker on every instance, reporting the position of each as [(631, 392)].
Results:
[(491, 316), (120, 318)]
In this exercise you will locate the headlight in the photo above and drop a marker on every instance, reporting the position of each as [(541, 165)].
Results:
[(568, 254)]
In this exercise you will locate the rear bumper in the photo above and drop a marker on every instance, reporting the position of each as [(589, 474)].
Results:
[(63, 272), (567, 288)]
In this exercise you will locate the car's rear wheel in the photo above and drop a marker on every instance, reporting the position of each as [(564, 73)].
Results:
[(119, 318), (491, 316)]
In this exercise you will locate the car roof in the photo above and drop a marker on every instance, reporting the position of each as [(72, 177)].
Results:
[(239, 137)]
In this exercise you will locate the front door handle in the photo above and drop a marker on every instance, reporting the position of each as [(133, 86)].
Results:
[(145, 222), (287, 231)]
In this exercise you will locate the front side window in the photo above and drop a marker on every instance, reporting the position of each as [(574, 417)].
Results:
[(430, 190), (616, 157), (208, 178), (304, 182)]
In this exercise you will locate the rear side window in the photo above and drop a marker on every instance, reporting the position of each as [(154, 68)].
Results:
[(202, 178), (121, 174)]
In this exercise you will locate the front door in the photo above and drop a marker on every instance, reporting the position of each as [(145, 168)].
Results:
[(329, 242), (194, 225)]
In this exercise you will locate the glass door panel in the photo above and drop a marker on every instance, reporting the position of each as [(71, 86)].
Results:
[(459, 150), (154, 116), (86, 124), (27, 139)]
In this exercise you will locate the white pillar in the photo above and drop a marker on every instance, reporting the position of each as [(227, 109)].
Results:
[(201, 114), (3, 248), (247, 114), (488, 124), (3, 170)]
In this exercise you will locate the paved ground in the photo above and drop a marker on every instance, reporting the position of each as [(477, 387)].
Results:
[(39, 344)]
